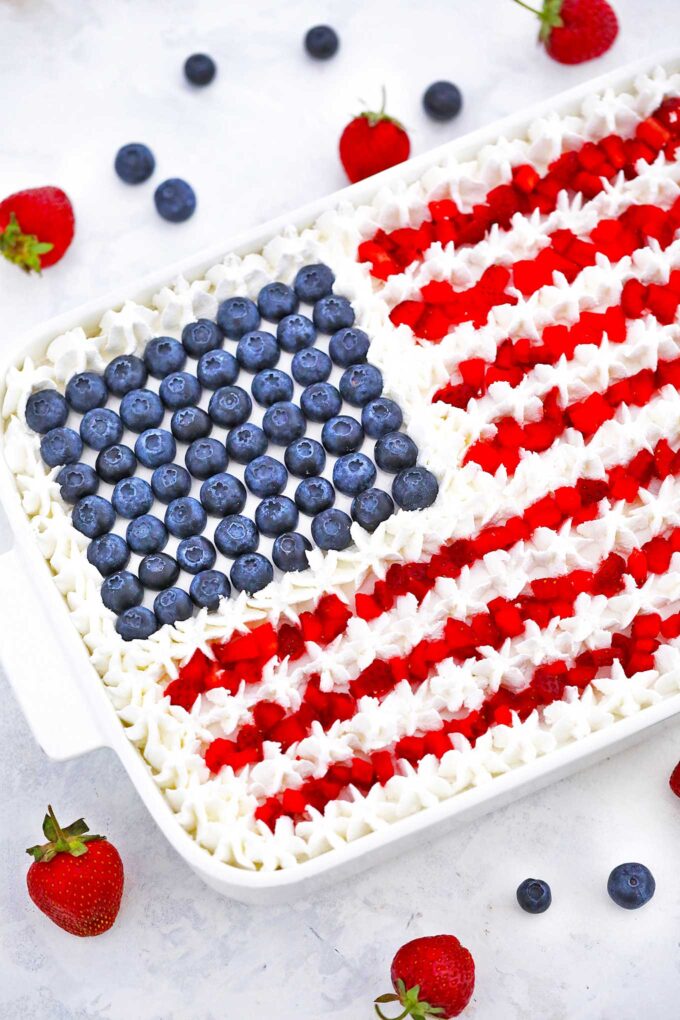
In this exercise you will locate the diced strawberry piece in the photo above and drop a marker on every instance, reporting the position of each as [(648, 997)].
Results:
[(459, 637), (375, 680), (293, 802), (639, 662), (333, 615), (434, 324), (195, 670), (525, 178), (633, 299), (437, 743), (589, 184), (588, 415), (646, 625), (506, 617), (290, 642), (366, 607), (412, 749), (260, 644), (581, 676), (267, 715), (670, 627), (269, 812), (608, 579), (539, 436), (662, 303), (653, 133), (219, 753), (641, 466), (663, 459), (182, 694), (408, 313), (383, 766), (549, 681), (502, 715), (658, 552), (590, 156), (568, 500), (472, 371), (288, 731), (615, 325), (613, 148), (362, 772), (668, 114)]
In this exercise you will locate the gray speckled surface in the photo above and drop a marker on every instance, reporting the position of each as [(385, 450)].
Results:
[(254, 145)]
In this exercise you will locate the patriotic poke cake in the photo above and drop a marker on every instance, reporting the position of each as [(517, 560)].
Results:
[(391, 507)]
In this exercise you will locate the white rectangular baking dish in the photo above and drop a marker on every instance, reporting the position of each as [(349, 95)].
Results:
[(59, 691)]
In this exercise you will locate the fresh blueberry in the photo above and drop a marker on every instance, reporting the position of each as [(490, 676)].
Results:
[(190, 423), (132, 497), (332, 313), (108, 553), (320, 401), (349, 347), (208, 587), (271, 386), (236, 535), (185, 516), (246, 442), (380, 417), (395, 451), (146, 534), (283, 422), (134, 163), (200, 337), (415, 488), (330, 529), (305, 457), (175, 200), (85, 391), (180, 389), (200, 69), (442, 100), (289, 551), (141, 409), (361, 383), (164, 355), (158, 571), (236, 316), (313, 282), (155, 447), (121, 591), (277, 300), (276, 515), (251, 572), (125, 373), (100, 427), (93, 516), (257, 350), (342, 434), (217, 368), (353, 473), (115, 462), (534, 895), (265, 476), (223, 494), (205, 457), (172, 605), (631, 885), (195, 554), (295, 332), (311, 365), (137, 623), (321, 42), (46, 410), (60, 446), (76, 481), (170, 481), (371, 507), (229, 406), (314, 495)]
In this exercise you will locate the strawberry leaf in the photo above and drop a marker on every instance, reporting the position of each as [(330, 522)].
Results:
[(73, 839), (22, 249)]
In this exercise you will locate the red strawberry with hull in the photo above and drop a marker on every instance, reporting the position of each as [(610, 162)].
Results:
[(432, 977), (76, 878), (36, 227), (372, 142), (576, 30)]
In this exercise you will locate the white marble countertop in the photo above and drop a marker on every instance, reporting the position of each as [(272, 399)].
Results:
[(77, 79)]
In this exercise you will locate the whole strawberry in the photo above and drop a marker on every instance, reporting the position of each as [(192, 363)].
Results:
[(576, 30), (76, 878), (36, 227), (674, 781), (372, 142), (432, 977)]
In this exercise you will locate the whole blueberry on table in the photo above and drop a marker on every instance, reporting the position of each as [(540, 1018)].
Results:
[(415, 488), (175, 200), (534, 895), (132, 497), (180, 389), (155, 447), (190, 423), (371, 507), (195, 554), (305, 457), (313, 282), (342, 434), (236, 316), (353, 473), (276, 515), (158, 571), (121, 591), (442, 100), (170, 481), (205, 457), (93, 516), (395, 451), (100, 427), (172, 605), (185, 516), (115, 462), (311, 365), (295, 332), (381, 416), (314, 495), (141, 409), (146, 534), (361, 383), (108, 553), (257, 350), (331, 529), (201, 336), (76, 481), (349, 346), (265, 476), (283, 422), (251, 572), (208, 587), (200, 69), (229, 406), (223, 494), (126, 372), (60, 446), (321, 42), (245, 442), (631, 885), (164, 355), (217, 368), (276, 300), (85, 391), (332, 313), (272, 385), (136, 623), (289, 551), (134, 163), (236, 535), (46, 410), (320, 401)]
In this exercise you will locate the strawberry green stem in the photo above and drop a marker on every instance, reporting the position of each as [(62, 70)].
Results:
[(71, 840), (402, 1016), (527, 7), (22, 249)]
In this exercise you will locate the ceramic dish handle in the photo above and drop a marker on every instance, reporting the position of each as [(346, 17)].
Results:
[(38, 669)]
